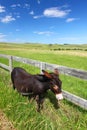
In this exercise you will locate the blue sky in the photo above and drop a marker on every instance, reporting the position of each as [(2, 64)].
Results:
[(43, 21)]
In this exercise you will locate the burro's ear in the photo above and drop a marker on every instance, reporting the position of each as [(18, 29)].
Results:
[(56, 71), (47, 74)]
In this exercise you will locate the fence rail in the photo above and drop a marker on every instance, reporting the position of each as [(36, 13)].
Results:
[(62, 69), (75, 99)]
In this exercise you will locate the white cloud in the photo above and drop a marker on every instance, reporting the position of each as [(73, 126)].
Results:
[(38, 1), (52, 27), (47, 33), (2, 9), (17, 14), (32, 12), (19, 5), (55, 12), (7, 19), (17, 30), (27, 6), (68, 39), (15, 5), (2, 37), (71, 19), (38, 16)]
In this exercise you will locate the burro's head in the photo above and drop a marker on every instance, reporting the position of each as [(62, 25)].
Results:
[(55, 83)]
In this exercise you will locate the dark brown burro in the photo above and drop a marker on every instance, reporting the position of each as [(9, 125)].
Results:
[(36, 85)]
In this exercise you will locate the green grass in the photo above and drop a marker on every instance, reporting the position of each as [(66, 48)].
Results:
[(43, 53), (49, 57), (23, 115), (71, 84), (22, 112), (75, 86)]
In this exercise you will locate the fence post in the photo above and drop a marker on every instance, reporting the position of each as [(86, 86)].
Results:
[(41, 67), (10, 63)]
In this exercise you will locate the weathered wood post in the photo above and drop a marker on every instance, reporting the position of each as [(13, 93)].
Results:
[(10, 63), (41, 67)]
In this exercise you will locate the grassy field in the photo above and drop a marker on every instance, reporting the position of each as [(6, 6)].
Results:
[(71, 58), (22, 112), (46, 53)]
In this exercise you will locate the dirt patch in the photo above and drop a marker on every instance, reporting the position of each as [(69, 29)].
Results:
[(5, 124)]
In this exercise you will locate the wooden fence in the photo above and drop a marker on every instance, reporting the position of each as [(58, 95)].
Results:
[(62, 69)]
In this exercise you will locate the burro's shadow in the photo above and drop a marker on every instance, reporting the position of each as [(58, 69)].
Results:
[(52, 99)]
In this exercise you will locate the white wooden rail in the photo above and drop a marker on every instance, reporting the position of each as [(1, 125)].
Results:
[(64, 70), (75, 99), (10, 62)]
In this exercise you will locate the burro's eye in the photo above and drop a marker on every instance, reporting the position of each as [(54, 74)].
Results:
[(58, 92), (56, 88)]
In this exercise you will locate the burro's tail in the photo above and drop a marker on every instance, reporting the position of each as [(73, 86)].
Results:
[(12, 78)]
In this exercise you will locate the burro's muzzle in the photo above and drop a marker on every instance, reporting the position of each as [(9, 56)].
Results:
[(59, 96)]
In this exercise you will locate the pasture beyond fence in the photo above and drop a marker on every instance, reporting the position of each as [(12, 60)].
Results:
[(62, 69)]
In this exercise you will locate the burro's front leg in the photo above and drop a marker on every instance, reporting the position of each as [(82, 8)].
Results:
[(39, 100)]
